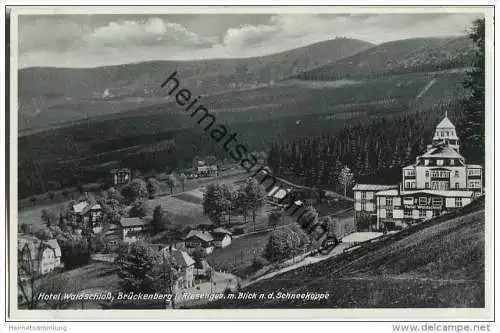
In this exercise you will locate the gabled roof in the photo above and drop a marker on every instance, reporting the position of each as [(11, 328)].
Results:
[(443, 152), (281, 193), (204, 236), (181, 258), (373, 187), (80, 207), (445, 123), (389, 193), (36, 246), (53, 244), (128, 222), (96, 206), (222, 231)]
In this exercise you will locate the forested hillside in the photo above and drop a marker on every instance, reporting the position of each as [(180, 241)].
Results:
[(375, 150)]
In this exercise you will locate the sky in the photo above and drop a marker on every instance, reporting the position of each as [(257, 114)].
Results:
[(102, 39)]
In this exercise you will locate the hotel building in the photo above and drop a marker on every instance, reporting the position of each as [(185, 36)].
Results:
[(438, 181)]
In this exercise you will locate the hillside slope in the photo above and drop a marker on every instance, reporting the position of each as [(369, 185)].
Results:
[(51, 95), (397, 57), (438, 264)]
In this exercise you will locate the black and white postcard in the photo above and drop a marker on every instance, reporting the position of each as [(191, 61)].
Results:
[(275, 163)]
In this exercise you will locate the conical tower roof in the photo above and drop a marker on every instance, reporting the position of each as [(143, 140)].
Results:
[(445, 123)]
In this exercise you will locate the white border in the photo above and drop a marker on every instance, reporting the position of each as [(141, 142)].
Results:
[(259, 314)]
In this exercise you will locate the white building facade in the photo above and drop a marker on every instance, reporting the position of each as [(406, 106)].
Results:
[(438, 181)]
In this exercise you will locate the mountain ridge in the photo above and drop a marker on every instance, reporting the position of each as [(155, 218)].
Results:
[(48, 95), (397, 57)]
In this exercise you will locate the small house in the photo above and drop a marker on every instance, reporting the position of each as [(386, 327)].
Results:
[(199, 239), (204, 170), (133, 228), (183, 265), (86, 213), (120, 176), (36, 256), (222, 237)]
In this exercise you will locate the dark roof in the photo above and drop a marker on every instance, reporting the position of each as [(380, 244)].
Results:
[(181, 258), (442, 152), (204, 236)]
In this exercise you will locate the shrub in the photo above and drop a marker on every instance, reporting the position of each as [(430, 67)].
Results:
[(258, 263)]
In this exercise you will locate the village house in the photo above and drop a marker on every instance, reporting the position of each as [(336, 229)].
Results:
[(36, 256), (86, 213), (120, 176), (365, 201), (183, 265), (439, 181), (222, 237), (199, 239), (204, 170), (133, 228), (277, 194)]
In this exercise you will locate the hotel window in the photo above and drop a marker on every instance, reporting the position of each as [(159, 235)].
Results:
[(439, 162), (408, 212), (452, 162), (457, 185), (474, 184), (421, 213), (458, 202), (363, 206), (389, 213), (457, 174), (388, 202), (426, 162), (437, 201), (363, 195), (408, 201), (427, 186), (410, 173), (427, 174), (474, 172), (422, 201)]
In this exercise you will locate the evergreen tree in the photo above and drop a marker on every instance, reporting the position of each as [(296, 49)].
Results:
[(473, 127), (137, 271)]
